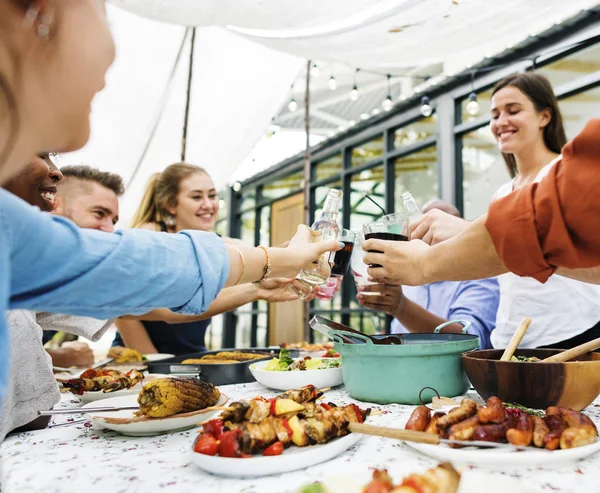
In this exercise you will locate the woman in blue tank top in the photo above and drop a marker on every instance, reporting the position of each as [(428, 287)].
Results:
[(184, 197)]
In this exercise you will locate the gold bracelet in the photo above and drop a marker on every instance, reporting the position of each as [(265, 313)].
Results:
[(267, 271), (243, 263)]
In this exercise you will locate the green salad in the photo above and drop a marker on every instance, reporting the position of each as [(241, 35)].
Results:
[(286, 363)]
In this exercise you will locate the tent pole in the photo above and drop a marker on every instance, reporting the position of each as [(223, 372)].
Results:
[(308, 333), (188, 97)]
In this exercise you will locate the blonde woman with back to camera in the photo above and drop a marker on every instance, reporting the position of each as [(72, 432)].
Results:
[(184, 197)]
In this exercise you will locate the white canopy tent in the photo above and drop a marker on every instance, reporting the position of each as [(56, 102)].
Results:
[(249, 52)]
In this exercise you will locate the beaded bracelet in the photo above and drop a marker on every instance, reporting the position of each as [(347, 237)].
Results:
[(267, 271)]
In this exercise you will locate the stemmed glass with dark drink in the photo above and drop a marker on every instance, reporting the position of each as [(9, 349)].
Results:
[(340, 266)]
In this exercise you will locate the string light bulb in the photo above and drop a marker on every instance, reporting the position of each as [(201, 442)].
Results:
[(237, 186), (292, 105), (387, 103), (354, 94), (473, 105), (316, 71), (332, 83), (426, 109)]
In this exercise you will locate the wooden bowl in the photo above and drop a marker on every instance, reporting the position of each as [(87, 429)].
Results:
[(574, 384)]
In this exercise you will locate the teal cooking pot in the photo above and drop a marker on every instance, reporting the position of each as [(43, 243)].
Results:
[(397, 373)]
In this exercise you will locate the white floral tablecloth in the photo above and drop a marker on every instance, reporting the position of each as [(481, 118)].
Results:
[(80, 458)]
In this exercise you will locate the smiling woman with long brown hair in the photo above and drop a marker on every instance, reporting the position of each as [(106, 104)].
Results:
[(54, 55), (184, 197)]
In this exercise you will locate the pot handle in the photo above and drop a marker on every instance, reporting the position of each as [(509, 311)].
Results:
[(465, 323), (337, 335)]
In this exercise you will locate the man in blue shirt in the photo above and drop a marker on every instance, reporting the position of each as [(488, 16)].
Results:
[(420, 309), (105, 275)]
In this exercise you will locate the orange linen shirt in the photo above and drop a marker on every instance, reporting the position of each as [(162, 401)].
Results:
[(556, 222)]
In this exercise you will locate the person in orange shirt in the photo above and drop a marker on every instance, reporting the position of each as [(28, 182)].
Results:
[(541, 229)]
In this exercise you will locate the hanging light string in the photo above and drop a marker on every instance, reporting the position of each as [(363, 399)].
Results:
[(472, 107)]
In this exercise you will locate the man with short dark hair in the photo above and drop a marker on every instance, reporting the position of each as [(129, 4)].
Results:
[(89, 197)]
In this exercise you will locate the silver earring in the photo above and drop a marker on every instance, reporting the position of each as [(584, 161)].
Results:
[(43, 29)]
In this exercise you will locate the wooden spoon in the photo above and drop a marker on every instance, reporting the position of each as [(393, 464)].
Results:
[(516, 339), (574, 352)]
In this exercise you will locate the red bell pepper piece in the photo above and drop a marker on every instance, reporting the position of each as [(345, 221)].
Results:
[(325, 406), (206, 444), (287, 427), (214, 427), (229, 444), (274, 449), (273, 404), (359, 417)]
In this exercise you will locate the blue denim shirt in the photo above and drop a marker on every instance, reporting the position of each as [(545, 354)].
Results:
[(49, 264), (473, 301)]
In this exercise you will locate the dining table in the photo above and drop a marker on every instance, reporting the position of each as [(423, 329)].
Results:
[(73, 455)]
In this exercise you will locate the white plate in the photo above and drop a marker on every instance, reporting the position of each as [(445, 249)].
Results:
[(288, 380), (504, 458), (135, 390), (292, 459), (157, 356), (127, 423)]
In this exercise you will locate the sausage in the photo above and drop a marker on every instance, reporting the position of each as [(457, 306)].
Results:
[(540, 431), (581, 429), (571, 417), (556, 425), (495, 432), (463, 430), (419, 419), (467, 409), (493, 412), (577, 436), (523, 433), (431, 427)]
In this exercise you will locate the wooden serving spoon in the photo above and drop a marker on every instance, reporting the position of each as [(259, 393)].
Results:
[(570, 354), (516, 339)]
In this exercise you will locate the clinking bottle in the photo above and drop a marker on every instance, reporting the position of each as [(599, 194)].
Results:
[(327, 225)]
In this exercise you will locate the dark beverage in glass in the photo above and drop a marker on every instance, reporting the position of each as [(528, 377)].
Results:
[(383, 235), (342, 259)]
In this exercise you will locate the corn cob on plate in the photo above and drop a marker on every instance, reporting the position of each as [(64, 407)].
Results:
[(130, 423)]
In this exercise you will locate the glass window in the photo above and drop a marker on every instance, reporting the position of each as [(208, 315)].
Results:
[(483, 105), (328, 168), (243, 326), (415, 132), (248, 223), (283, 186), (483, 171), (221, 226), (262, 324), (366, 152), (573, 66), (578, 109), (265, 226), (368, 182), (418, 174), (248, 200)]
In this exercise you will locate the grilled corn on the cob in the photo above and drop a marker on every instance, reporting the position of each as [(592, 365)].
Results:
[(167, 396), (124, 355)]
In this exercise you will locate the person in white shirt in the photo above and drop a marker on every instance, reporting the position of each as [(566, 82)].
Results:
[(527, 124)]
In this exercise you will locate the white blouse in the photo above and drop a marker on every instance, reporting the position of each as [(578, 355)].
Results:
[(559, 309)]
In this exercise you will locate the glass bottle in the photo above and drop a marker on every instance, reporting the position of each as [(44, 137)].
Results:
[(318, 272), (410, 205)]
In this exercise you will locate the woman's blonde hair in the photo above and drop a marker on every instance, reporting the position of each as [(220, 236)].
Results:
[(161, 193)]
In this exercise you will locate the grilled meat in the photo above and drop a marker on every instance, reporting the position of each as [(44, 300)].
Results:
[(322, 428), (168, 396), (106, 380), (304, 394)]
